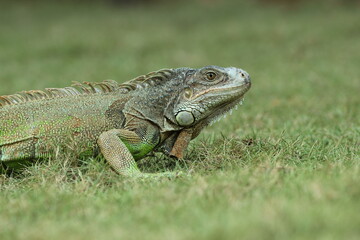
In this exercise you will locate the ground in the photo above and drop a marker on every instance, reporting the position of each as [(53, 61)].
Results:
[(283, 166)]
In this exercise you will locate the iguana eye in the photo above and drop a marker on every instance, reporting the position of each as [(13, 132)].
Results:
[(210, 76), (188, 93)]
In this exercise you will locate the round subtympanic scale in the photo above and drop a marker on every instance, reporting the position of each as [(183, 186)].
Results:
[(185, 118)]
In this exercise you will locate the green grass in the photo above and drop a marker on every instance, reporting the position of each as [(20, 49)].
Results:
[(283, 166)]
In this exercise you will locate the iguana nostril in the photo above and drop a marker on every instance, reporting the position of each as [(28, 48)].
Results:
[(246, 77)]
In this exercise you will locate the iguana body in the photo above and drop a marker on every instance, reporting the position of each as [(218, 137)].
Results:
[(160, 111)]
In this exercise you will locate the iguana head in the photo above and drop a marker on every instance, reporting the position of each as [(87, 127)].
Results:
[(208, 93), (173, 99)]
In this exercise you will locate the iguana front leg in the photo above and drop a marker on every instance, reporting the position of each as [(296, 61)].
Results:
[(121, 147), (116, 153), (184, 138), (181, 143)]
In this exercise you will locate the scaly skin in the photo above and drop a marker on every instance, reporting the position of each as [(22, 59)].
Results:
[(160, 111)]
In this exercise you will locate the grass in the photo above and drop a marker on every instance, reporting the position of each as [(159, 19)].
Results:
[(283, 166)]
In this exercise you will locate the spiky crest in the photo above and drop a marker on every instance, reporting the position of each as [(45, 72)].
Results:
[(86, 88), (149, 79)]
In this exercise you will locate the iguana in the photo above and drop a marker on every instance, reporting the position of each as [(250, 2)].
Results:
[(160, 111)]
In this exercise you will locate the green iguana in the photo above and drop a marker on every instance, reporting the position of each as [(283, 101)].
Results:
[(161, 111)]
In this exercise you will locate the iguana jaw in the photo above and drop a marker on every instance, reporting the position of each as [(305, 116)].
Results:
[(236, 91), (216, 116), (235, 97)]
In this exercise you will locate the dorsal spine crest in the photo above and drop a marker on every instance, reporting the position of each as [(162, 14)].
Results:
[(87, 88)]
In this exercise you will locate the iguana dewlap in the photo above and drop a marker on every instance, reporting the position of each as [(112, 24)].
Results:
[(160, 111)]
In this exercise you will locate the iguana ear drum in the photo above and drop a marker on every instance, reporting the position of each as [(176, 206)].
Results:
[(185, 118)]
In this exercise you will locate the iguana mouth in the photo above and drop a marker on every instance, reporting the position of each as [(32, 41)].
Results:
[(227, 90)]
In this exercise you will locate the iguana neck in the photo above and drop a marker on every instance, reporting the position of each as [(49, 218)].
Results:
[(156, 103)]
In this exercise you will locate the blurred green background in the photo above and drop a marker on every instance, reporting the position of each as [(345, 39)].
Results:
[(283, 166)]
